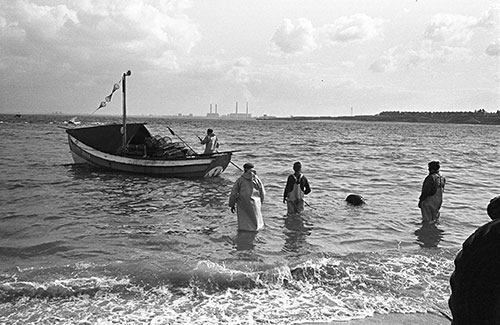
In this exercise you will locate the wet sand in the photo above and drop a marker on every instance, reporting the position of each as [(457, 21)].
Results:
[(399, 319), (394, 319)]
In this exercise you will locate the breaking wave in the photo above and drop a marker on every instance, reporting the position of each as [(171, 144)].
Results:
[(324, 288)]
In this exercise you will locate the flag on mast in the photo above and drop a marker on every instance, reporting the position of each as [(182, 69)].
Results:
[(107, 99)]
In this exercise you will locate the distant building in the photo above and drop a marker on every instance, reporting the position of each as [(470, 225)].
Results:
[(237, 115), (213, 114), (266, 117)]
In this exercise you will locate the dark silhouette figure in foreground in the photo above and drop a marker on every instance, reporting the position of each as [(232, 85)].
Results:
[(475, 283), (355, 199)]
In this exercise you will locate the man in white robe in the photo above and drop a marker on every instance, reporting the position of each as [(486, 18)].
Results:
[(246, 198)]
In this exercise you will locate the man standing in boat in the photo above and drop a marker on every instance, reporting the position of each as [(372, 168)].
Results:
[(431, 199), (247, 197), (211, 142)]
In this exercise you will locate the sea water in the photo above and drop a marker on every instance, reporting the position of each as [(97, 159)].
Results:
[(83, 246)]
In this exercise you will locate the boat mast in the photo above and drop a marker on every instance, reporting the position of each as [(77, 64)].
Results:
[(124, 127)]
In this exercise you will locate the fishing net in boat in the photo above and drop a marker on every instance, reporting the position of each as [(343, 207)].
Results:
[(163, 147), (159, 147)]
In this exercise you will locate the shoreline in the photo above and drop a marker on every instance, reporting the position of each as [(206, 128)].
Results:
[(430, 318), (470, 118), (493, 119), (400, 319)]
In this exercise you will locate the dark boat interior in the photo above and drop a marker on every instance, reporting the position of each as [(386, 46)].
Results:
[(140, 142)]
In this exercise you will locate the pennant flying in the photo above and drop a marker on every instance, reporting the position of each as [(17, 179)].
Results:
[(107, 99)]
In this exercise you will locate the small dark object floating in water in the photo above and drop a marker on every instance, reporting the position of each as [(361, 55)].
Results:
[(355, 199)]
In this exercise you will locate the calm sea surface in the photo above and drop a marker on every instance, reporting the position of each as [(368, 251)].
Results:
[(80, 246)]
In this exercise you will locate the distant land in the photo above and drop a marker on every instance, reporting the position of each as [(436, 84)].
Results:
[(459, 117), (475, 117)]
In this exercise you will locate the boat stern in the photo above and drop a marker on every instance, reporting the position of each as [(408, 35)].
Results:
[(218, 165)]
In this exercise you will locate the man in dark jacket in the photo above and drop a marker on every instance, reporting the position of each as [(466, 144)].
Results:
[(475, 283), (431, 198), (296, 187)]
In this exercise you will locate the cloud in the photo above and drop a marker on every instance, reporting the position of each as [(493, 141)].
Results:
[(293, 37), (300, 36), (359, 27), (493, 49), (42, 21), (450, 29), (242, 75), (490, 19), (166, 61), (96, 32), (27, 26), (383, 64), (414, 55), (348, 64), (445, 39), (243, 62), (457, 30)]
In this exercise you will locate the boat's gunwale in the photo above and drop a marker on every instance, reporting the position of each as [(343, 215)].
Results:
[(192, 156), (144, 161)]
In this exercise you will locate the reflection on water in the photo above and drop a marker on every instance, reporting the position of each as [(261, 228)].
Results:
[(297, 229), (213, 192), (429, 235), (245, 240), (129, 194)]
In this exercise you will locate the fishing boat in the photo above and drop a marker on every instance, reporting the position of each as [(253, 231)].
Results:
[(130, 147)]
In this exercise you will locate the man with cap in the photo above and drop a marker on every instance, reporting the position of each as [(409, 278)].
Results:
[(296, 187), (475, 282), (431, 198), (246, 198)]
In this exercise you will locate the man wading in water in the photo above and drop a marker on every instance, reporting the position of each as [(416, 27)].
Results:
[(296, 187), (246, 198), (431, 198)]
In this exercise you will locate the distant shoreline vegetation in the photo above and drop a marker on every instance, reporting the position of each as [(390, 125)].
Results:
[(476, 117)]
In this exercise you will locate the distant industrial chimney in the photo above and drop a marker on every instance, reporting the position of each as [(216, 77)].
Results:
[(216, 109), (210, 108), (236, 107), (247, 108)]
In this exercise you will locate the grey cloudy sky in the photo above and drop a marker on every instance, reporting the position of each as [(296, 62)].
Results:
[(283, 57)]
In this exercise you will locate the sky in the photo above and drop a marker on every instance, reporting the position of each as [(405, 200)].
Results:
[(282, 57)]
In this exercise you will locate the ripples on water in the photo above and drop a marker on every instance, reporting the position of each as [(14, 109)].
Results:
[(165, 251)]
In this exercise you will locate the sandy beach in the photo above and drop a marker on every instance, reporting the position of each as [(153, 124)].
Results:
[(399, 319), (394, 319)]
